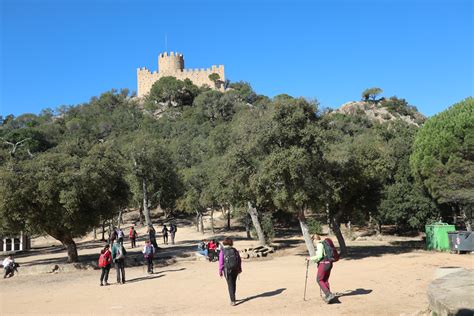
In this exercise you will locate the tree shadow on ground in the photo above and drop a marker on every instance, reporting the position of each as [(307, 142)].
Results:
[(266, 294), (395, 248), (150, 277)]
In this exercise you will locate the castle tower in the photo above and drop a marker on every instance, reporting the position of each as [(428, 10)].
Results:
[(170, 64)]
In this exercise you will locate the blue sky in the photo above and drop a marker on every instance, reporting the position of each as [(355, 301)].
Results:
[(56, 52)]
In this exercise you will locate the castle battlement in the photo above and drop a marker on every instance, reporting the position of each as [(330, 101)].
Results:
[(172, 64)]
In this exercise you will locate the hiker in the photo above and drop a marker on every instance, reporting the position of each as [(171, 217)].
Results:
[(152, 236), (133, 236), (120, 235), (173, 230), (118, 257), (113, 236), (326, 254), (230, 265), (164, 231), (148, 252), (105, 261), (202, 248), (10, 266)]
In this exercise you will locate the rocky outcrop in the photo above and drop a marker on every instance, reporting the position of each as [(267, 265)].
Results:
[(375, 111)]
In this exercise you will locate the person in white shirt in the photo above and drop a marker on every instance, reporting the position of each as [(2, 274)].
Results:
[(9, 266)]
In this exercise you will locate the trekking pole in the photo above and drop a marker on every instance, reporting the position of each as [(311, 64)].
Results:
[(306, 280)]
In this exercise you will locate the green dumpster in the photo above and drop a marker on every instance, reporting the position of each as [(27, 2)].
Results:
[(437, 236)]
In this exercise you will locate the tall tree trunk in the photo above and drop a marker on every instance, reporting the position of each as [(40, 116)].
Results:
[(201, 222), (467, 219), (103, 230), (146, 210), (212, 221), (306, 234), (95, 233), (256, 223), (340, 238), (140, 214), (197, 220), (248, 220), (119, 218), (328, 219), (70, 245), (231, 208)]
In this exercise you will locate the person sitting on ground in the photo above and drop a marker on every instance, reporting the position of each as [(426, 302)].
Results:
[(164, 231), (202, 248), (230, 265), (212, 250), (105, 261), (9, 265), (326, 254), (148, 252)]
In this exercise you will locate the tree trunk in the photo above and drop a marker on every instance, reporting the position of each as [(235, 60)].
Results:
[(201, 222), (95, 233), (248, 220), (140, 214), (231, 208), (119, 219), (340, 238), (306, 234), (146, 210), (212, 221), (70, 245), (256, 223), (328, 217), (197, 221), (467, 220), (103, 230)]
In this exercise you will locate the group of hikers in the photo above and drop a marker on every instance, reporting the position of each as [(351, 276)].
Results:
[(210, 249), (230, 263), (116, 254)]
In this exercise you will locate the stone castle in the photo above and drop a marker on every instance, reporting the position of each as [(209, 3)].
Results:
[(173, 65)]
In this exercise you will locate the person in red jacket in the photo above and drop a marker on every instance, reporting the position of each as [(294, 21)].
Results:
[(133, 236), (105, 261)]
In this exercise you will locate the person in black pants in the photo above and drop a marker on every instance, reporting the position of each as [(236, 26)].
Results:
[(118, 257), (230, 265), (164, 231), (148, 252)]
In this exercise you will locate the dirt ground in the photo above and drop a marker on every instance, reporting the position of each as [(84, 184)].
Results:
[(379, 277)]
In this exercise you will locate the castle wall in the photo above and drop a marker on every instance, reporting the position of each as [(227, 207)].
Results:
[(173, 65)]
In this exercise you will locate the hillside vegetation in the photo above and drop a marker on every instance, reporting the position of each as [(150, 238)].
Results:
[(264, 160)]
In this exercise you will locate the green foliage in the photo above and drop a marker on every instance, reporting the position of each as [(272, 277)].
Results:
[(170, 91), (268, 227), (314, 226), (371, 93), (443, 159)]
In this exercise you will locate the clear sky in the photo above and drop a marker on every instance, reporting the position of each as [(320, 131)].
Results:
[(62, 52)]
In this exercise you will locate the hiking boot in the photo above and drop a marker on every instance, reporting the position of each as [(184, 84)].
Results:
[(232, 303), (106, 284), (328, 298), (101, 284)]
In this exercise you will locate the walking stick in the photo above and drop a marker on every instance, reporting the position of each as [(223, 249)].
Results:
[(306, 280)]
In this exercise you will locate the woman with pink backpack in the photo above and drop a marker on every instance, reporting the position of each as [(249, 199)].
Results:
[(105, 261)]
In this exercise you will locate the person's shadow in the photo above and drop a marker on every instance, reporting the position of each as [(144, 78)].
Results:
[(359, 291), (353, 292), (266, 294)]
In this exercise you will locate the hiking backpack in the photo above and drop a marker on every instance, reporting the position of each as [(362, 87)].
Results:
[(148, 251), (330, 251), (231, 259), (102, 260), (119, 254), (120, 234)]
